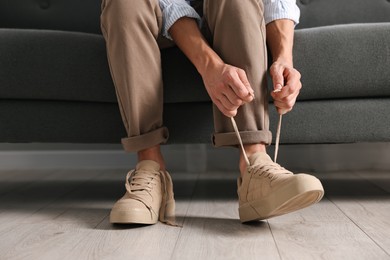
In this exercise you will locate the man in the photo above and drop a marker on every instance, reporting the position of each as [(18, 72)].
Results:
[(229, 51)]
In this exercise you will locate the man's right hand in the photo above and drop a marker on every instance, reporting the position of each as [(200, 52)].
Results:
[(228, 87)]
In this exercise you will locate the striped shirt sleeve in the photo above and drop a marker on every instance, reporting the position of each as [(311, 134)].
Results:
[(281, 9), (173, 10)]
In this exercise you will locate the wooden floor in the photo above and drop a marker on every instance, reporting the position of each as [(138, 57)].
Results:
[(60, 214)]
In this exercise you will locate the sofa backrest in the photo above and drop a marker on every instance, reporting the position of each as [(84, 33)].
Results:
[(67, 15), (83, 15), (316, 13)]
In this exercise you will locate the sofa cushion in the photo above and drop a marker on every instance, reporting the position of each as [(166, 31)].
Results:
[(68, 66), (54, 65), (329, 121), (343, 61), (69, 15), (83, 16), (315, 13)]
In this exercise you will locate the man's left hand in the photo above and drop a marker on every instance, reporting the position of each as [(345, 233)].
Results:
[(287, 83)]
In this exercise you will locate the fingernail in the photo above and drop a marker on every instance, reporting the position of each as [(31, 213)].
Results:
[(278, 88)]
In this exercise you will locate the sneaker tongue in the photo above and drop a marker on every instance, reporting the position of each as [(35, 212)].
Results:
[(259, 158), (148, 165)]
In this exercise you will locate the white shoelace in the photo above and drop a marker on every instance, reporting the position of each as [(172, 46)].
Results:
[(277, 138), (242, 145)]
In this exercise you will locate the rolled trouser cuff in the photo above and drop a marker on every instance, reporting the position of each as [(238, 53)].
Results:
[(248, 137), (144, 141)]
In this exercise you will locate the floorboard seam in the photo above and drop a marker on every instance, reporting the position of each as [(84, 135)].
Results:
[(361, 229), (185, 215), (273, 237)]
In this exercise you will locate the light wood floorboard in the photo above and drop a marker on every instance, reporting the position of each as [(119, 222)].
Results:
[(365, 203), (72, 222), (212, 229), (14, 179), (59, 214)]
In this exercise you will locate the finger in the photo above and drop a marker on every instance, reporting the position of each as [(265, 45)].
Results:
[(283, 111), (286, 104), (286, 91), (293, 85), (293, 81), (226, 112), (245, 81), (289, 101), (233, 99), (235, 83), (227, 104), (281, 107), (225, 91), (277, 76)]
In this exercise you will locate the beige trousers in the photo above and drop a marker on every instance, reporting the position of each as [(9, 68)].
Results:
[(132, 30)]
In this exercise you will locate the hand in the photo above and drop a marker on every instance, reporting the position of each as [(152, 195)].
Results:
[(287, 84), (228, 87)]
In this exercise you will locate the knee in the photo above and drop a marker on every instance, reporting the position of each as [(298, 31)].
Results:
[(247, 6), (234, 9), (125, 13)]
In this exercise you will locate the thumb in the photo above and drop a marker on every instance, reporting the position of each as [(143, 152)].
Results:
[(277, 78)]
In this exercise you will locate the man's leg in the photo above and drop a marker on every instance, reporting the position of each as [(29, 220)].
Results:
[(131, 30), (238, 35), (265, 188)]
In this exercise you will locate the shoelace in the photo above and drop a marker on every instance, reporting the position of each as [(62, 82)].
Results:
[(242, 145), (270, 170), (144, 181), (141, 181), (277, 138)]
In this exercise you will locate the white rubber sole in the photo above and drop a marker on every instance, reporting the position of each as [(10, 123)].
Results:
[(300, 193)]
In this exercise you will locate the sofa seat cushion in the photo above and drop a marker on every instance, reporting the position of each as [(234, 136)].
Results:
[(360, 120), (343, 61)]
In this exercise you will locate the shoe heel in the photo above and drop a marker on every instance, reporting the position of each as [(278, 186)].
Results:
[(248, 213)]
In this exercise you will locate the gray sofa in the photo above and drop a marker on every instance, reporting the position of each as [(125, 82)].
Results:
[(55, 84)]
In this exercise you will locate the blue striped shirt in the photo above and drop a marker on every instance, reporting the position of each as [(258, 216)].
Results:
[(273, 10)]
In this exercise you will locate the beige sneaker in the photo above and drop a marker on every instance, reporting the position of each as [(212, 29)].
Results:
[(148, 198), (268, 190)]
